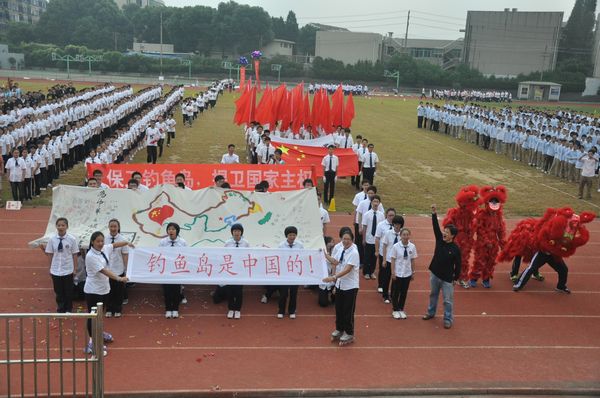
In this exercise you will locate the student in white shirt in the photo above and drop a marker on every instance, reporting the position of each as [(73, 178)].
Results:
[(292, 291), (369, 164), (172, 292), (403, 255), (589, 164), (170, 122), (369, 227), (98, 175), (152, 137), (180, 182), (118, 265), (97, 285), (383, 278), (62, 250), (359, 197), (389, 239), (136, 175), (265, 151), (347, 263), (326, 295), (235, 292), (16, 175), (28, 180), (324, 214), (330, 163), (230, 157)]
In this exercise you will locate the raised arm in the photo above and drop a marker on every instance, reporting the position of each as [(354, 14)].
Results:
[(436, 225)]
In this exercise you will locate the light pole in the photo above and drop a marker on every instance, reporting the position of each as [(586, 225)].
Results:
[(396, 74), (277, 68)]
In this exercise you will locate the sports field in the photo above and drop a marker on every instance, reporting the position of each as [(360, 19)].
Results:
[(418, 167)]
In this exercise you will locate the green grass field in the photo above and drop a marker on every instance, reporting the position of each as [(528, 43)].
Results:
[(418, 167)]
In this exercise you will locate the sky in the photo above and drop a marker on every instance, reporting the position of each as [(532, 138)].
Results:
[(429, 19)]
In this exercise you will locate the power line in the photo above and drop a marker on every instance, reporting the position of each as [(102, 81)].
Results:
[(354, 15)]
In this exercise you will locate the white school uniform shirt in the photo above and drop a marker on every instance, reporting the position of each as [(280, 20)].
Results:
[(62, 261), (296, 245), (143, 188), (240, 243), (364, 206), (402, 265), (29, 165), (382, 228), (177, 242), (366, 159), (96, 282), (388, 241), (351, 279), (341, 141), (152, 136), (334, 160), (367, 222), (324, 216), (115, 261), (230, 159), (16, 167), (359, 197)]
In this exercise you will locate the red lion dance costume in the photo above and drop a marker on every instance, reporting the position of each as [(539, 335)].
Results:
[(462, 217), (491, 231), (549, 240)]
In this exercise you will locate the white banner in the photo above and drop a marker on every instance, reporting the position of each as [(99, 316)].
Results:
[(317, 142), (205, 216), (226, 266)]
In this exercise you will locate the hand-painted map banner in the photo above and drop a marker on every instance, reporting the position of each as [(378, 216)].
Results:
[(205, 216), (226, 266), (239, 176)]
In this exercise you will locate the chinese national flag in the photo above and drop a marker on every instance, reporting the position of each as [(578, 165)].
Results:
[(300, 155)]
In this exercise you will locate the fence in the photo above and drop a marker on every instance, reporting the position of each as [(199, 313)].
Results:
[(42, 361)]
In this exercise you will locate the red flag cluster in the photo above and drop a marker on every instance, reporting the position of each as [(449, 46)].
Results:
[(292, 109)]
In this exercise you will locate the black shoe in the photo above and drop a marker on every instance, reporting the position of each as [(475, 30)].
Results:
[(427, 317), (563, 290)]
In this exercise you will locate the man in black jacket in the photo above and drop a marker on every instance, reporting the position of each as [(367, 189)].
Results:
[(445, 269)]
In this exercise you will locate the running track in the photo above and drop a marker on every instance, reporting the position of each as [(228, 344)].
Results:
[(532, 341)]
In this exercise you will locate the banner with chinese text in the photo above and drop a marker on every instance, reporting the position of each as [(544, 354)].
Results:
[(205, 216), (239, 176), (226, 266)]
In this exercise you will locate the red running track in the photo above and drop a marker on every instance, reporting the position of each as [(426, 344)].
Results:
[(536, 340)]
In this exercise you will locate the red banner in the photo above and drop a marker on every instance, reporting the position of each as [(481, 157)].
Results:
[(242, 77), (313, 156), (257, 72), (239, 176)]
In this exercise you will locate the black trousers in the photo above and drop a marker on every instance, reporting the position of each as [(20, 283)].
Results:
[(17, 190), (221, 293), (284, 292), (63, 291), (152, 154), (170, 134), (539, 259), (92, 300), (326, 297), (399, 292), (384, 277), (49, 174), (419, 122), (516, 265), (358, 243), (329, 188), (116, 295), (37, 180), (370, 259), (355, 180), (172, 295), (161, 143), (368, 174), (27, 188), (235, 297), (345, 304)]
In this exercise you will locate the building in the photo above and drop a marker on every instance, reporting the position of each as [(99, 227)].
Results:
[(348, 47), (444, 53), (140, 3), (10, 60), (152, 47), (27, 11), (539, 91), (592, 84), (278, 47), (510, 42)]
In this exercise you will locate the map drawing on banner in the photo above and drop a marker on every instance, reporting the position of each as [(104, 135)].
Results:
[(205, 216)]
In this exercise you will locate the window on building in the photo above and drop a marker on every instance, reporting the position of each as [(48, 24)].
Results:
[(525, 90), (390, 50), (421, 52)]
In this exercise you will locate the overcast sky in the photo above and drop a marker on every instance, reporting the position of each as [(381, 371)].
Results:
[(429, 19)]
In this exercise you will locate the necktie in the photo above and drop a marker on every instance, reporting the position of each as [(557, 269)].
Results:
[(291, 245), (396, 239), (172, 243), (60, 245), (330, 162), (342, 256), (267, 154), (370, 206), (405, 252), (390, 226), (346, 143), (371, 160), (374, 225), (112, 239), (365, 196), (105, 259), (237, 244)]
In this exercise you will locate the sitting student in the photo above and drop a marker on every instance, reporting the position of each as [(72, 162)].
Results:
[(289, 291), (92, 183), (235, 292), (326, 295), (98, 176)]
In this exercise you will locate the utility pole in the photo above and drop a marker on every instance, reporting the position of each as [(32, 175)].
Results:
[(406, 33), (161, 45), (544, 55)]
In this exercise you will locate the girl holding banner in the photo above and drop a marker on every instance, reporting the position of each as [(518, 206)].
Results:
[(172, 292)]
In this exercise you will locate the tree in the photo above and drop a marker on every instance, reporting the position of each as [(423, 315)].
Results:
[(278, 27), (20, 32), (291, 27), (577, 39), (305, 43)]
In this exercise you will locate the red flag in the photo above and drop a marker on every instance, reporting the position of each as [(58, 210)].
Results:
[(263, 110), (300, 155), (316, 110), (242, 77), (285, 111), (250, 110), (337, 106), (348, 112), (325, 115), (297, 108), (307, 119), (257, 72), (240, 107)]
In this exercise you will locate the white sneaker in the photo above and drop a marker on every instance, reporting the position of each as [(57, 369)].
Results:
[(402, 315), (108, 315), (184, 301), (264, 299), (118, 314), (367, 276), (230, 315), (237, 315), (386, 301), (279, 316), (169, 314), (379, 290), (292, 316), (125, 301), (396, 314), (175, 314)]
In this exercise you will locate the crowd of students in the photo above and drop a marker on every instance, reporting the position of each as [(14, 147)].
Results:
[(561, 143), (471, 95), (355, 89)]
